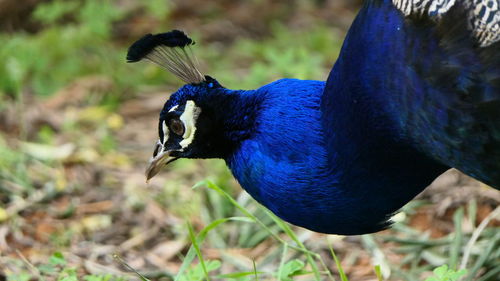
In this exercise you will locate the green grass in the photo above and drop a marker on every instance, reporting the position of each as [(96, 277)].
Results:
[(57, 268), (303, 262)]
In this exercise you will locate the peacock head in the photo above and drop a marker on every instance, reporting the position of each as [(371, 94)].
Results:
[(190, 124)]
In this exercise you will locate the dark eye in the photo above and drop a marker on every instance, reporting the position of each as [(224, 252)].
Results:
[(176, 127)]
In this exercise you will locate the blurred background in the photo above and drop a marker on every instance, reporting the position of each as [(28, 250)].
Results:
[(78, 124)]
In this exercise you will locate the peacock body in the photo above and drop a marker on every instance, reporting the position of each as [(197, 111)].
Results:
[(414, 92)]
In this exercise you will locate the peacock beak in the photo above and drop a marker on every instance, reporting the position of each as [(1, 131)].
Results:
[(161, 157)]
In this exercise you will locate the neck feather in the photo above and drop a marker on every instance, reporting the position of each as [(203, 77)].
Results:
[(232, 115)]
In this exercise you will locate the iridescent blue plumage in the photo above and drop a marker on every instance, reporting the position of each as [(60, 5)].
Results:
[(430, 81), (415, 91)]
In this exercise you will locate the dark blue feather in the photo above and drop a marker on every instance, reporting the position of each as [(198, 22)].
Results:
[(409, 97)]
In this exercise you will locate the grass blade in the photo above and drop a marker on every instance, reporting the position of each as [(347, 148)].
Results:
[(476, 234), (196, 247), (300, 246), (378, 272), (343, 277), (456, 245), (238, 275), (255, 271), (483, 257), (188, 259), (282, 262)]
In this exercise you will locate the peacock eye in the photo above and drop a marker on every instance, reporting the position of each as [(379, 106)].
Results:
[(176, 127)]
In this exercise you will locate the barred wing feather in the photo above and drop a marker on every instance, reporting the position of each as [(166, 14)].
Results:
[(483, 15)]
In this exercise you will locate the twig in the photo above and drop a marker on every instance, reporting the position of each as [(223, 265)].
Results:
[(31, 267), (128, 267), (21, 204)]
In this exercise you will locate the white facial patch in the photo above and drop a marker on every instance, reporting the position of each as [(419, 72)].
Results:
[(189, 118), (166, 132)]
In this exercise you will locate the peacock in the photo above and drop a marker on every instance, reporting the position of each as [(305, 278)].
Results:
[(415, 91)]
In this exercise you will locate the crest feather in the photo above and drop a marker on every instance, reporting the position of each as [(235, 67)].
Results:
[(169, 50)]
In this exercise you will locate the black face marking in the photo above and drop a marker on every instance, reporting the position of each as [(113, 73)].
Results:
[(157, 149)]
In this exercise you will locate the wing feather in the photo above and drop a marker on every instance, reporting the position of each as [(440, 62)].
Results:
[(483, 15)]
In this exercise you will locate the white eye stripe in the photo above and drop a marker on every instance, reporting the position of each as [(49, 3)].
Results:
[(173, 108), (166, 133), (189, 118)]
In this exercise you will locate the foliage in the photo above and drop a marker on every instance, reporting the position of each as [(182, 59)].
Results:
[(280, 56), (443, 273), (76, 41)]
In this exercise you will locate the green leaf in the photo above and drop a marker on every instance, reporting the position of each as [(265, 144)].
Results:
[(442, 273), (290, 268), (198, 272), (68, 274), (57, 259)]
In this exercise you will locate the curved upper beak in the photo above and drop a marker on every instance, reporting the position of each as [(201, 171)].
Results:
[(161, 157)]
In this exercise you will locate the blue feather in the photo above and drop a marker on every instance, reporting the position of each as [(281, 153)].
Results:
[(412, 94)]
